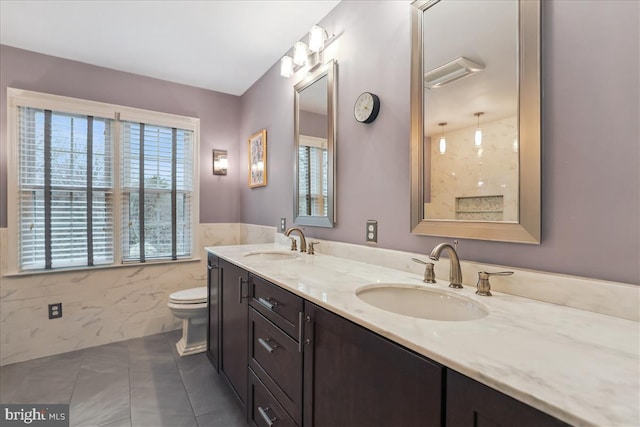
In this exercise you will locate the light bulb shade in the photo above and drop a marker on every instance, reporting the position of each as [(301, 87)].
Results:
[(317, 37), (286, 66), (478, 138), (443, 145), (300, 53)]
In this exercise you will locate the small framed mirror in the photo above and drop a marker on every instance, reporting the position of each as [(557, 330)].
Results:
[(315, 148), (475, 119)]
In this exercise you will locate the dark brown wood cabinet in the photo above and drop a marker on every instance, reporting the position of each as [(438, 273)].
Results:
[(472, 404), (234, 288), (213, 307), (293, 363), (275, 353), (264, 409), (354, 377)]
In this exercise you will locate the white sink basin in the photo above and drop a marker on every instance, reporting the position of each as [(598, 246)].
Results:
[(272, 255), (420, 302)]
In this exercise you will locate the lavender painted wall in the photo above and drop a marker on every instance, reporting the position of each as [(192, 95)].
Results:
[(591, 149), (313, 124), (219, 115)]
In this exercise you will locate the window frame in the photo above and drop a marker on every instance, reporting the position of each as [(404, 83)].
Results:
[(24, 98)]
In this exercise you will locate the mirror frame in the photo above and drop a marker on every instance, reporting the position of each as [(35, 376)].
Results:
[(528, 228), (329, 70)]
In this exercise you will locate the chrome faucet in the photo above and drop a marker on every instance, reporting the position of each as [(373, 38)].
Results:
[(303, 241), (455, 274)]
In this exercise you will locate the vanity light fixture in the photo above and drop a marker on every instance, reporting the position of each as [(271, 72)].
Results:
[(478, 134), (286, 66), (300, 53), (306, 55), (317, 37), (443, 142), (450, 72)]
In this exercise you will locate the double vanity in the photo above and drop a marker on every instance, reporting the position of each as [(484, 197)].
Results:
[(321, 340)]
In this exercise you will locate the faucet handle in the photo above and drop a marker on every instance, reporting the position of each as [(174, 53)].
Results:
[(310, 247), (483, 285), (294, 244)]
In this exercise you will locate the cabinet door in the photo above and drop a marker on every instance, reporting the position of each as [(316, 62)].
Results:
[(213, 327), (472, 404), (354, 377), (234, 340)]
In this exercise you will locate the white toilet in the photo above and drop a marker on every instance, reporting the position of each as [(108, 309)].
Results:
[(190, 305)]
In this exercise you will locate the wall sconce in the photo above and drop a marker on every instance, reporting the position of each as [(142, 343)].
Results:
[(478, 134), (443, 142), (220, 162), (306, 55)]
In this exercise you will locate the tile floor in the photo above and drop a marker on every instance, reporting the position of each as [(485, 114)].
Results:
[(140, 382)]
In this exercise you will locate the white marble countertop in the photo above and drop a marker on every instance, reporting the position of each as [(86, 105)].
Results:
[(578, 366)]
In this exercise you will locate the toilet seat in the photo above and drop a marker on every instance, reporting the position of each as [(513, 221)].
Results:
[(189, 296)]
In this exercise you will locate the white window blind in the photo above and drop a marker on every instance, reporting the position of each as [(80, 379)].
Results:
[(156, 180), (65, 189)]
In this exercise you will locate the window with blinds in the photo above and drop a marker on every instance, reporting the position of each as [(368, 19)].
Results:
[(312, 183), (94, 184), (156, 192), (65, 189)]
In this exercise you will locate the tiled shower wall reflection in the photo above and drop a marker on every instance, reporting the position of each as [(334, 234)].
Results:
[(103, 305)]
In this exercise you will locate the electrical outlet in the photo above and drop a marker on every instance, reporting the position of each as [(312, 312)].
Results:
[(55, 310), (372, 231), (283, 224)]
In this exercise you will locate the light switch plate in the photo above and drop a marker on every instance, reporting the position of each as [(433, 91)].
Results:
[(372, 231), (283, 224)]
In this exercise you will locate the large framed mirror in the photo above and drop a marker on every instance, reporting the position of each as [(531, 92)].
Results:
[(475, 119), (315, 148)]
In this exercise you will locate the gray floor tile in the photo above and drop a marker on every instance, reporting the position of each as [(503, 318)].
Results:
[(222, 418), (45, 380), (100, 398), (125, 422), (206, 390), (136, 383)]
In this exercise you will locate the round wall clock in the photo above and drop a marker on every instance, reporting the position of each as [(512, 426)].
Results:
[(366, 107)]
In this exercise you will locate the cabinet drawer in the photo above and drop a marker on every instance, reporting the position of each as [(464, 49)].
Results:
[(276, 304), (277, 361), (264, 409)]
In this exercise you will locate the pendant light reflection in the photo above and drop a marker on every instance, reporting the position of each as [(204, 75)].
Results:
[(478, 134), (443, 142)]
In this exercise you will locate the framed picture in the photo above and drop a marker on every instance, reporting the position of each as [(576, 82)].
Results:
[(258, 159)]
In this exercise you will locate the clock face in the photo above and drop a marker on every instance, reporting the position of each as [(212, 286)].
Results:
[(366, 107)]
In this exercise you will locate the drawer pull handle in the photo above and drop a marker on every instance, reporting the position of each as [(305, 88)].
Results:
[(241, 282), (266, 343), (270, 305), (301, 341), (265, 416)]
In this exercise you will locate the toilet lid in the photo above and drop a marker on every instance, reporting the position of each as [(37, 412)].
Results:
[(189, 296)]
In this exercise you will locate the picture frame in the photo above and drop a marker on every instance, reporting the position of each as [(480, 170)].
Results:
[(258, 159)]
